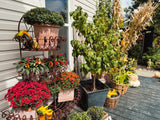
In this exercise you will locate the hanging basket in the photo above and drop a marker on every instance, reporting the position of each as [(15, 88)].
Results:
[(66, 95), (46, 35), (112, 103), (121, 88)]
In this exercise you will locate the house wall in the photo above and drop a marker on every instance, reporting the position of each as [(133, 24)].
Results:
[(88, 6), (10, 13)]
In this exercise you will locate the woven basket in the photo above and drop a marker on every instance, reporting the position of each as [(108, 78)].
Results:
[(121, 88), (112, 103)]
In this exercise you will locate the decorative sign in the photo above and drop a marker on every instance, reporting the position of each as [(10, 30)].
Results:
[(66, 95)]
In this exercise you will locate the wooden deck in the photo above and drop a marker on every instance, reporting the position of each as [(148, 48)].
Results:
[(142, 103)]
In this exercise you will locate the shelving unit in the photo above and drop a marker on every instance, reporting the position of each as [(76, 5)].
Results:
[(60, 110)]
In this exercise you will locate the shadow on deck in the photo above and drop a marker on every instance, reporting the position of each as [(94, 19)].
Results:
[(142, 103)]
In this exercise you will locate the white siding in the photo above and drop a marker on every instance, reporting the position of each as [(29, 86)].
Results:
[(10, 13)]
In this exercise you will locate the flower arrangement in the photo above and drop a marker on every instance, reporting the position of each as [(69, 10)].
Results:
[(27, 94), (68, 80), (42, 111), (55, 61), (112, 93), (79, 116), (43, 16), (97, 113), (28, 65)]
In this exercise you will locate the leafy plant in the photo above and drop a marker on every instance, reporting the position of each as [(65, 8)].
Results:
[(79, 116), (54, 89), (55, 61), (100, 48), (68, 80), (43, 16), (96, 113), (28, 65), (27, 94), (153, 54)]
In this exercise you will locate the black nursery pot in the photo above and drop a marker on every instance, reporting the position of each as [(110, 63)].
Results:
[(92, 98)]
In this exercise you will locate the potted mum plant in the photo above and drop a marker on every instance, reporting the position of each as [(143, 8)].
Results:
[(31, 68), (26, 96), (67, 82), (46, 24), (79, 116)]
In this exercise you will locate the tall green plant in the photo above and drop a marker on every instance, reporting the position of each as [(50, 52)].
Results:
[(100, 48)]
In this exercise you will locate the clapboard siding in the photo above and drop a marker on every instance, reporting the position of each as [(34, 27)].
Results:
[(10, 13), (88, 6)]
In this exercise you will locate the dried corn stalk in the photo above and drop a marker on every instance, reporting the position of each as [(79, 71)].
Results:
[(139, 22)]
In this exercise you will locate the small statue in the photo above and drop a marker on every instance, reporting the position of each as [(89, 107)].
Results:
[(149, 64), (35, 44)]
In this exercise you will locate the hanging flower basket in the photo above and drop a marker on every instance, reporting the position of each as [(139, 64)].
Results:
[(46, 35), (66, 95)]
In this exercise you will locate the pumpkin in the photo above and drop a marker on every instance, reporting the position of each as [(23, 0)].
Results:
[(134, 83), (157, 74), (133, 77)]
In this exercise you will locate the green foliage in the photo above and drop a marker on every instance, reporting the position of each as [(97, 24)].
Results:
[(79, 116), (97, 113), (54, 89), (153, 54), (43, 16), (135, 52), (100, 49)]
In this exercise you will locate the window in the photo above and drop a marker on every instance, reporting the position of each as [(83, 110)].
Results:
[(60, 6)]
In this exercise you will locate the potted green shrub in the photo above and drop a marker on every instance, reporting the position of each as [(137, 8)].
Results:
[(79, 116), (99, 50), (97, 113), (46, 24)]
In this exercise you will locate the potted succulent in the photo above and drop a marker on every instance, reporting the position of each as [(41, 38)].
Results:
[(31, 68), (68, 81), (112, 99), (46, 24), (79, 116), (97, 113), (26, 96)]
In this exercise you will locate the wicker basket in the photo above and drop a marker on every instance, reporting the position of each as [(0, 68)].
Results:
[(121, 88), (112, 103)]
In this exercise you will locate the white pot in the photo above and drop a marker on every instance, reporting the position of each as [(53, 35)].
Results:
[(66, 95)]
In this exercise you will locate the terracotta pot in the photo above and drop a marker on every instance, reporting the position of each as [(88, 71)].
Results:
[(121, 88), (66, 95), (104, 117), (45, 32)]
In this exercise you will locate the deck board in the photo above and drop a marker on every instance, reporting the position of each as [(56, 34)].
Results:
[(142, 103)]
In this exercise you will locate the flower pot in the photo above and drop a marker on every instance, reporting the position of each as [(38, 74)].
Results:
[(121, 88), (42, 117), (26, 114), (112, 103), (31, 77), (66, 95), (104, 117), (46, 34), (92, 98)]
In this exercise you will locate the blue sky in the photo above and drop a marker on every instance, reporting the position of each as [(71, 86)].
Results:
[(125, 3)]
